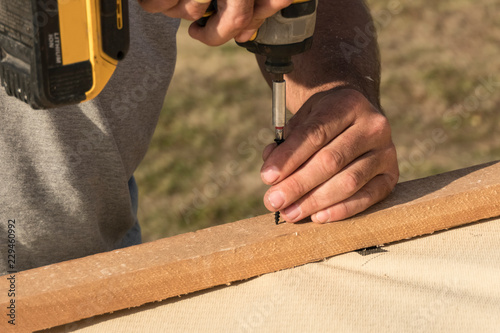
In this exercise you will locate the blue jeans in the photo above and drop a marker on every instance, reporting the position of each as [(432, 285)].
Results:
[(133, 235)]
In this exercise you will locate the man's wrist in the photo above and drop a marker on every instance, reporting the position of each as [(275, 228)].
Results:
[(325, 66)]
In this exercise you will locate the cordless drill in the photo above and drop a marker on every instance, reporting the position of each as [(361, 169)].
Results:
[(60, 52)]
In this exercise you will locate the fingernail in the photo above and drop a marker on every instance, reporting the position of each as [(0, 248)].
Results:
[(270, 175), (293, 211), (323, 216), (276, 199)]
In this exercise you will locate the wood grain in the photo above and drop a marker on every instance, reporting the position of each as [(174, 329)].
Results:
[(77, 289)]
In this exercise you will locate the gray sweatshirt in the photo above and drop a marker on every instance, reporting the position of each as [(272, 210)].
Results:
[(64, 173)]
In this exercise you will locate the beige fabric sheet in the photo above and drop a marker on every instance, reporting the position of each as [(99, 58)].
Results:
[(446, 282)]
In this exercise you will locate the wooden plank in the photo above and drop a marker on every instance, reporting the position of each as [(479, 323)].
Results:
[(77, 289)]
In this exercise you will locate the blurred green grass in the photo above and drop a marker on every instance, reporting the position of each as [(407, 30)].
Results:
[(440, 91)]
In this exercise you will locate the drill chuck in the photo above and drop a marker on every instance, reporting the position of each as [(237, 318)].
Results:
[(285, 34)]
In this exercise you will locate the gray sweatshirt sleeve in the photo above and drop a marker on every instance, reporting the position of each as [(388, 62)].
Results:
[(64, 172)]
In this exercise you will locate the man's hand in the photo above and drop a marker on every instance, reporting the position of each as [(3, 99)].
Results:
[(337, 160), (338, 157), (238, 19)]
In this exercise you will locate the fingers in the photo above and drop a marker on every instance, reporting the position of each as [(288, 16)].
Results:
[(321, 125), (262, 10), (338, 159), (186, 9), (360, 185), (237, 19), (374, 191), (326, 163), (231, 18)]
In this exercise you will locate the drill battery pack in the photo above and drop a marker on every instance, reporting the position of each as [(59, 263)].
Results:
[(60, 52)]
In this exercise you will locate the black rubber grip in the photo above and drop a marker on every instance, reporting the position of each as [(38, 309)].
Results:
[(115, 41), (68, 84), (212, 9), (299, 9)]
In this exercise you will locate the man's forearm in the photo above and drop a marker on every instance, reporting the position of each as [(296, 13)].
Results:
[(344, 53)]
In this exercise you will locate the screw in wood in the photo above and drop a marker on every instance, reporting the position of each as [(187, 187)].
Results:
[(277, 214)]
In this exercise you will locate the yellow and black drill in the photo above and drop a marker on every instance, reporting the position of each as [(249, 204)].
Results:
[(59, 52)]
